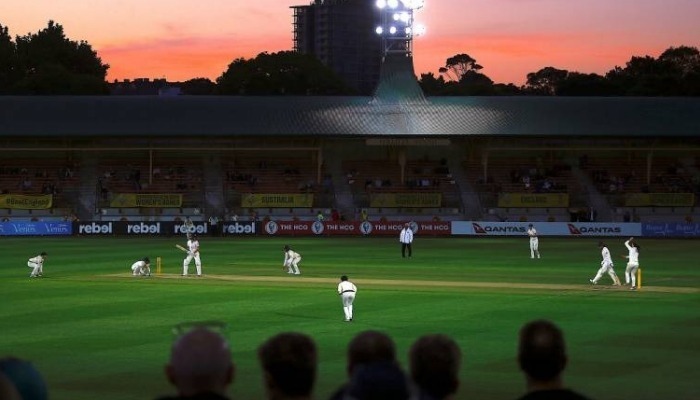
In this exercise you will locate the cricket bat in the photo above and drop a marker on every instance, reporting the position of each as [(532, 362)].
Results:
[(182, 248)]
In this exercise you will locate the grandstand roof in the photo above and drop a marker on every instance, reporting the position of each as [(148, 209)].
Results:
[(137, 116)]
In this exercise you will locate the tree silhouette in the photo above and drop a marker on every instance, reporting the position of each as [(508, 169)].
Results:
[(285, 72), (47, 62), (9, 67), (545, 81)]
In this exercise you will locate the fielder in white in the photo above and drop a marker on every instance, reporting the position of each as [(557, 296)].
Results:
[(192, 253), (534, 241), (605, 266), (37, 265), (141, 267), (347, 291), (632, 263), (291, 261)]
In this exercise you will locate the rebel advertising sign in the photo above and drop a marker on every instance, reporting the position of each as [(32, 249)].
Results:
[(137, 228)]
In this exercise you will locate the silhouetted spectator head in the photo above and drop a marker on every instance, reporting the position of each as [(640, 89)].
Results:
[(368, 347), (434, 364), (289, 364), (27, 381), (381, 380), (200, 362), (541, 351), (8, 391)]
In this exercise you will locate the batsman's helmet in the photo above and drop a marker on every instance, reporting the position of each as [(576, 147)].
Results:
[(286, 248), (146, 259)]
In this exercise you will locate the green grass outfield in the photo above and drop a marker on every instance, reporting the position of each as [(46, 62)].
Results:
[(95, 332)]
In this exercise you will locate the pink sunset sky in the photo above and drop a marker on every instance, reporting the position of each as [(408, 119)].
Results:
[(182, 39)]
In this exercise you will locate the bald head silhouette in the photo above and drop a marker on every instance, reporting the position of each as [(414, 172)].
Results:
[(200, 362)]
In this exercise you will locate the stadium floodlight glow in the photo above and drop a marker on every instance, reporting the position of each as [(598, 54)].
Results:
[(397, 25), (419, 30), (413, 4)]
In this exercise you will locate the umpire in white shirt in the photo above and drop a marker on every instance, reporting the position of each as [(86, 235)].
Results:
[(406, 238), (347, 291)]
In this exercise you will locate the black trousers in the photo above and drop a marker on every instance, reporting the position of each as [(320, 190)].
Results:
[(405, 246)]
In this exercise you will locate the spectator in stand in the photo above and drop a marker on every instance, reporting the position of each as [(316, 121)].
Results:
[(434, 364), (289, 361), (542, 358), (335, 215)]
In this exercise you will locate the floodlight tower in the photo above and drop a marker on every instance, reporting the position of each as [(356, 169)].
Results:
[(397, 27)]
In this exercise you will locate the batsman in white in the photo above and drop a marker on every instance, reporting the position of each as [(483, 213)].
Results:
[(37, 265), (141, 267), (346, 291), (606, 265), (192, 253), (291, 261), (534, 241)]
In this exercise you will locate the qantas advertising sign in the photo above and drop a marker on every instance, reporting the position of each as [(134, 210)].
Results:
[(482, 228)]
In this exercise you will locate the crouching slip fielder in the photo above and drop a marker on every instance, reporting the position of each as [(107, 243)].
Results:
[(534, 241), (605, 266), (192, 253), (141, 267), (347, 290), (37, 265), (291, 261), (632, 263)]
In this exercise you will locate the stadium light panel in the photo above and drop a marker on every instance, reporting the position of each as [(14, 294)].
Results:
[(392, 3), (381, 4), (392, 30), (379, 30)]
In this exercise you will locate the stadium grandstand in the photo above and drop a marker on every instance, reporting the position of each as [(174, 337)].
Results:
[(394, 155)]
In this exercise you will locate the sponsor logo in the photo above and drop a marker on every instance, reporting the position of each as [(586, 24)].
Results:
[(583, 229), (95, 229), (143, 228), (239, 228), (366, 228), (317, 227), (486, 229), (198, 229), (24, 229), (478, 229), (271, 227), (56, 228)]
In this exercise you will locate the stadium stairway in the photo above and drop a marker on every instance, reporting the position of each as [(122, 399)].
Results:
[(344, 201), (470, 202), (594, 198), (84, 199), (213, 185)]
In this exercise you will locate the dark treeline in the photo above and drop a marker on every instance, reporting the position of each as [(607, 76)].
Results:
[(47, 62)]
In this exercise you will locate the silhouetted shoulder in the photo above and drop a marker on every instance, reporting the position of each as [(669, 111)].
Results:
[(557, 394)]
